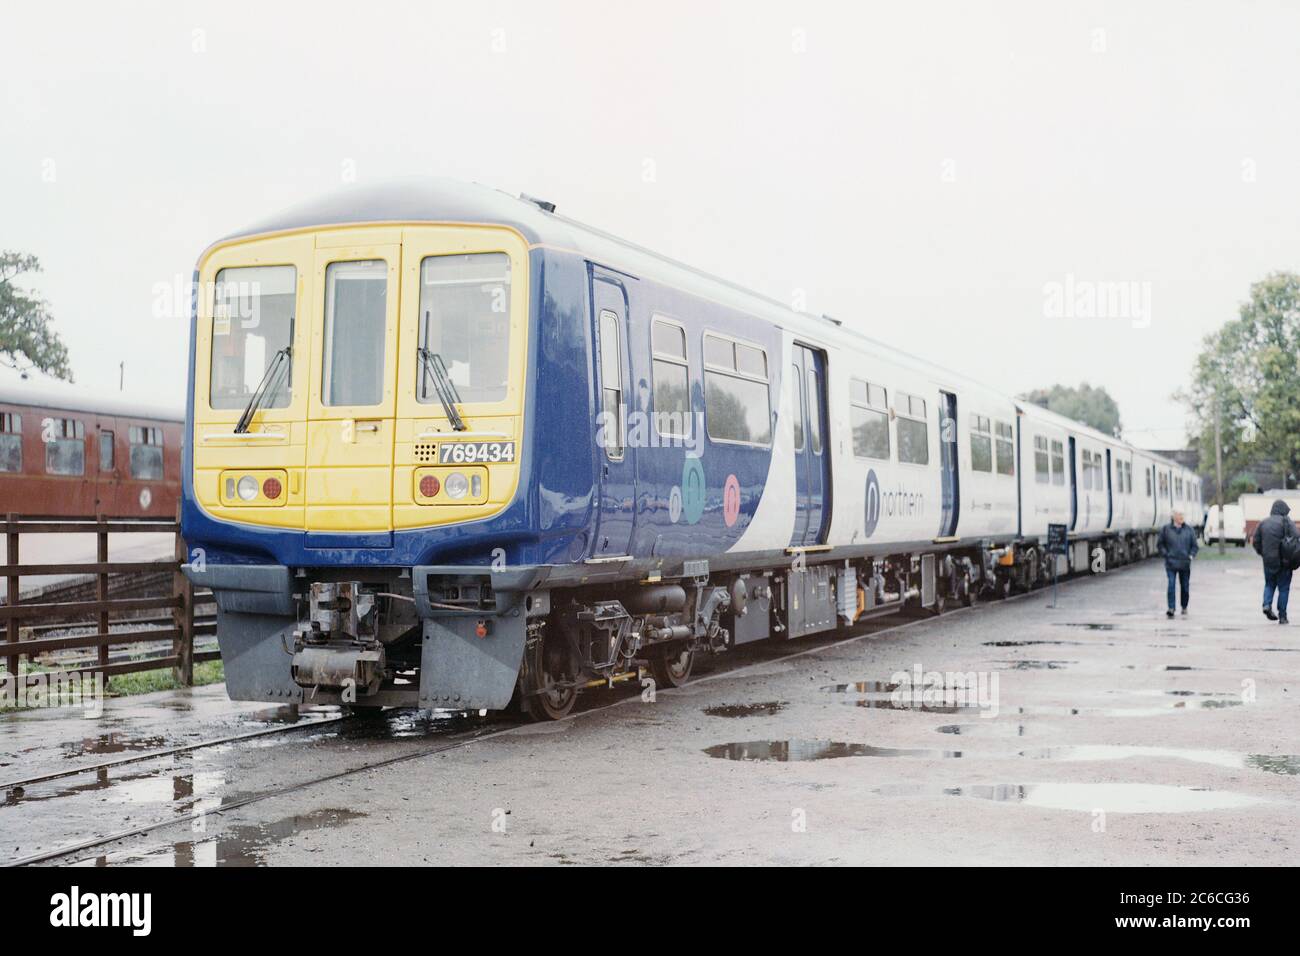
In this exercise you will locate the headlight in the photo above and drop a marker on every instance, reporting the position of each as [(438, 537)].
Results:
[(247, 488), (456, 485)]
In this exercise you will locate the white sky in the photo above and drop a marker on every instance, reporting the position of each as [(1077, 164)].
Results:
[(920, 170)]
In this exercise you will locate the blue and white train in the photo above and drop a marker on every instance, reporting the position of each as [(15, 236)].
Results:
[(449, 449)]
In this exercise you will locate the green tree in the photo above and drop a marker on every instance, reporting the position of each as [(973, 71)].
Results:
[(26, 338), (1248, 370), (1092, 406)]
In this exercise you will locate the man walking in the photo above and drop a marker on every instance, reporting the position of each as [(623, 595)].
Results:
[(1177, 542), (1269, 535)]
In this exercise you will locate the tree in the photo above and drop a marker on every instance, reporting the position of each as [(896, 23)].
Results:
[(26, 338), (1248, 370), (1092, 406)]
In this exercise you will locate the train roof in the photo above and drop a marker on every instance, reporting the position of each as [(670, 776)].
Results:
[(438, 199), (42, 392)]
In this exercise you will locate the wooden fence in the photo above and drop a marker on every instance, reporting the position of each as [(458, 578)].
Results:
[(31, 628)]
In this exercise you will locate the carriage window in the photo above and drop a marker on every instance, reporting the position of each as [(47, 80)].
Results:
[(611, 386), (913, 433), (65, 446), (981, 444), (736, 403), (798, 411), (465, 318), (146, 453), (814, 412), (869, 417), (252, 319), (356, 310), (107, 458), (672, 398), (11, 441), (1058, 463), (1042, 464), (1006, 448), (1086, 457)]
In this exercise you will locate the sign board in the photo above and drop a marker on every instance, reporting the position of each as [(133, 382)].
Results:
[(1058, 539)]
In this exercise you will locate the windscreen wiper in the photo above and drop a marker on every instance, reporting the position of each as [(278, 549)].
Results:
[(279, 361), (436, 369)]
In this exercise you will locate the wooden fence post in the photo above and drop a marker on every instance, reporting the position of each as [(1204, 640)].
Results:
[(11, 594), (182, 614), (101, 587)]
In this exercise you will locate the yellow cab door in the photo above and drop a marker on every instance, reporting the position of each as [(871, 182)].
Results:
[(350, 414)]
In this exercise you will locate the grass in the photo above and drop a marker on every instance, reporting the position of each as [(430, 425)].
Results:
[(1210, 552), (146, 682)]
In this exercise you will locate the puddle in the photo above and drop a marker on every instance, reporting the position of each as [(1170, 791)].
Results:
[(1152, 711), (1040, 643), (790, 751), (1028, 665), (925, 698), (243, 845), (862, 687), (1089, 797), (114, 743), (987, 728), (1087, 625), (764, 709), (1286, 764), (1277, 650)]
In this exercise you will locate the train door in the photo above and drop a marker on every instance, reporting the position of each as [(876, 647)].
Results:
[(812, 448), (1155, 498), (617, 465), (1110, 493), (1074, 486), (108, 477), (948, 465), (351, 406)]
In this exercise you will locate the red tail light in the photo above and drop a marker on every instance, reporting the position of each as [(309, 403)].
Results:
[(429, 486), (271, 488)]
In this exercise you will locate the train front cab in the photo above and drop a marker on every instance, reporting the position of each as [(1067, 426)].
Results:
[(387, 367)]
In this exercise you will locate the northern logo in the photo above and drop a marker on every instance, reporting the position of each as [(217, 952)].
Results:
[(873, 503)]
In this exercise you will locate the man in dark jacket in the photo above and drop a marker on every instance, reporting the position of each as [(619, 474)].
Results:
[(1269, 535), (1177, 542)]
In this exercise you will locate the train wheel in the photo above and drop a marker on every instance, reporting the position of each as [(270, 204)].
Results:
[(940, 600), (552, 704), (673, 670), (966, 591), (547, 663)]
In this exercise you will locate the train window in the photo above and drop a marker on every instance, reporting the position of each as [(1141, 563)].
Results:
[(1147, 474), (797, 380), (1058, 462), (736, 401), (814, 412), (913, 433), (65, 446), (252, 319), (465, 319), (356, 312), (981, 444), (611, 386), (146, 453), (672, 400), (106, 451), (1006, 449), (11, 441), (869, 418), (1042, 464)]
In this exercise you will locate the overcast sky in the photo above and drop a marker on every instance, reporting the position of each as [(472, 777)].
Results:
[(943, 176)]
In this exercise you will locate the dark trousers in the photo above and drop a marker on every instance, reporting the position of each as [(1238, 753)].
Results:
[(1184, 578), (1281, 580)]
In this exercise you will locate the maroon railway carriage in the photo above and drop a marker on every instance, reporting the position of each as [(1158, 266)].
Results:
[(69, 451)]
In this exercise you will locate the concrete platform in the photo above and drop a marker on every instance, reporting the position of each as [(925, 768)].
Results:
[(1119, 737)]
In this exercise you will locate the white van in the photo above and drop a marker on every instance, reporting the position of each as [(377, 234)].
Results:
[(1234, 525)]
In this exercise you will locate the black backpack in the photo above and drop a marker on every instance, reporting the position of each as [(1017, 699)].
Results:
[(1289, 548)]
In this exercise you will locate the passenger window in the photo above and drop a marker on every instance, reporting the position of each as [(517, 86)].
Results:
[(1058, 462), (252, 320), (11, 441), (146, 453), (672, 400), (465, 321), (106, 451), (356, 311), (736, 401), (1042, 464), (913, 432), (814, 412), (1006, 448), (611, 386), (869, 418), (981, 444), (1086, 461), (65, 446), (797, 392)]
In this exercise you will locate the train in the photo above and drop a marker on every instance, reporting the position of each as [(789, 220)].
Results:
[(449, 449), (70, 452)]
